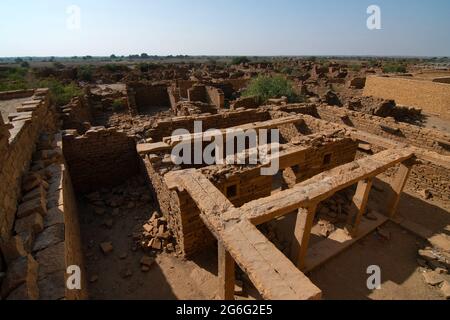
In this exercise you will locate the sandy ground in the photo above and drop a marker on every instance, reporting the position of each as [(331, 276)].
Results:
[(343, 277), (436, 122)]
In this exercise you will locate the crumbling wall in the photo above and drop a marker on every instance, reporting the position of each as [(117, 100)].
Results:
[(75, 114), (46, 236), (215, 96), (424, 176), (100, 158), (17, 143), (145, 95), (430, 96), (180, 211), (16, 94), (388, 128), (165, 127)]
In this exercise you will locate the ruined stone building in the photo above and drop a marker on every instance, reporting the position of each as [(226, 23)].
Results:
[(341, 174)]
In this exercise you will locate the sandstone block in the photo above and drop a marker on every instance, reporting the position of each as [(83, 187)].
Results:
[(51, 259), (20, 271), (50, 236), (33, 222), (37, 205), (12, 249)]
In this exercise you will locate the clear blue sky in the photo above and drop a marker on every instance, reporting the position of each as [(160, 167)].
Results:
[(224, 27)]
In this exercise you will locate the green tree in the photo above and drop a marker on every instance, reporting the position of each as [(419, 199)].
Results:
[(240, 60), (265, 87)]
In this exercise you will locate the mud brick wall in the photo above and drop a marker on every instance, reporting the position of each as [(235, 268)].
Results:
[(76, 113), (72, 244), (46, 230), (197, 93), (100, 158), (184, 86), (387, 127), (215, 96), (17, 144), (326, 157), (181, 213), (249, 185), (430, 96), (237, 84), (433, 178), (165, 127), (149, 95)]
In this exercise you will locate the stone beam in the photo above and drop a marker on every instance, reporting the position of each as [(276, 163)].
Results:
[(320, 187)]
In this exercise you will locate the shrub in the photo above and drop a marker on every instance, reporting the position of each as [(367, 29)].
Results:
[(240, 60), (60, 93), (117, 105), (265, 88), (355, 67), (85, 73), (394, 68)]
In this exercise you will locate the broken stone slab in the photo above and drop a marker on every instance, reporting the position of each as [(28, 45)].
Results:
[(147, 148), (37, 205), (50, 236), (427, 255), (51, 259), (445, 290), (33, 222), (106, 247), (12, 249), (147, 261), (20, 271), (433, 278)]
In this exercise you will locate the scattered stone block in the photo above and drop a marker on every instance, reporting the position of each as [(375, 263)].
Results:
[(427, 255), (106, 247), (433, 278), (445, 290), (147, 261)]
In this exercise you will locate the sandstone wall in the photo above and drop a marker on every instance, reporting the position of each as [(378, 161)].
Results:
[(388, 128), (16, 94), (76, 113), (148, 95), (17, 143), (215, 96), (46, 235), (100, 158), (165, 127), (430, 96), (424, 176)]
